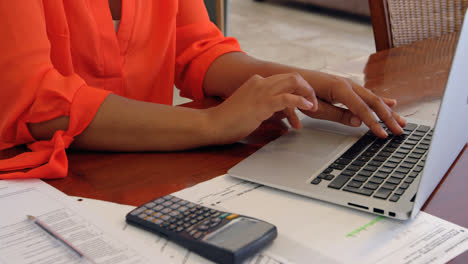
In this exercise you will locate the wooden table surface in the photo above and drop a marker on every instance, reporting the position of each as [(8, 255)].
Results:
[(410, 74)]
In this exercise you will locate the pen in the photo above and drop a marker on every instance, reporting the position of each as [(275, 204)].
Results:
[(49, 231)]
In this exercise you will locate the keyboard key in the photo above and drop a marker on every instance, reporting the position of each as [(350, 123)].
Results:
[(411, 160), (407, 165), (354, 168), (342, 161), (394, 198), (376, 180), (370, 168), (400, 191), (389, 186), (360, 178), (316, 181), (415, 156), (337, 166), (403, 170), (358, 163), (423, 128), (399, 156), (382, 193), (409, 180), (413, 174), (381, 174), (375, 163), (418, 168), (365, 173), (386, 169), (339, 181), (384, 154), (410, 126), (355, 184), (329, 177), (378, 158), (410, 142), (398, 175), (328, 170), (371, 186), (415, 137), (395, 159), (366, 192), (404, 185), (419, 151), (407, 146), (389, 164), (348, 172), (403, 151), (394, 180)]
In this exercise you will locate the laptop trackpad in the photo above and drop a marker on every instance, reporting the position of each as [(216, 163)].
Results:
[(299, 154)]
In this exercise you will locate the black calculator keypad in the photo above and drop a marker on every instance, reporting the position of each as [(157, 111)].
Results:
[(177, 215)]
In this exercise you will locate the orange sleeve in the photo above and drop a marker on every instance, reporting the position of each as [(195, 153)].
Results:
[(198, 44), (33, 91)]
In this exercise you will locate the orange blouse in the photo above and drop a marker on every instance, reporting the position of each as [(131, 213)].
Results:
[(62, 58)]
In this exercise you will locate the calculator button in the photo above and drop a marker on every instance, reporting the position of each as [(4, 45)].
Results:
[(157, 214), (215, 220), (150, 205), (179, 228), (213, 224), (224, 215), (158, 221), (199, 212), (168, 197), (137, 211), (206, 222), (212, 211), (159, 201), (175, 206), (165, 217), (166, 210), (167, 203), (198, 235), (142, 216), (150, 219), (183, 209), (183, 202), (172, 227), (158, 208), (149, 212), (201, 217), (192, 232), (203, 227), (216, 214), (232, 216), (191, 205), (174, 213), (180, 223), (187, 225), (175, 199), (193, 221), (172, 220)]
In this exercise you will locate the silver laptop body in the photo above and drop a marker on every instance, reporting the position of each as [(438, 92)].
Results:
[(295, 159)]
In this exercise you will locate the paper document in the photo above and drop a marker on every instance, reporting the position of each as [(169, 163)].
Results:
[(310, 229), (22, 241), (114, 214)]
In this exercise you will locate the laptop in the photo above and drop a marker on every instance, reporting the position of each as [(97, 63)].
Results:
[(351, 167)]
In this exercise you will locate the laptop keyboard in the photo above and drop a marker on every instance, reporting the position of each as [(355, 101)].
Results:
[(380, 168)]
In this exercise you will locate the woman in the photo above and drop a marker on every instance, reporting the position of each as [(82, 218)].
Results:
[(67, 76)]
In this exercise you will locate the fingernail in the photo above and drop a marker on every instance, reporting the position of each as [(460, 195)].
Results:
[(355, 121), (309, 104)]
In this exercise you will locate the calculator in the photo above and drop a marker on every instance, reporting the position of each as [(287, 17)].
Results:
[(220, 236)]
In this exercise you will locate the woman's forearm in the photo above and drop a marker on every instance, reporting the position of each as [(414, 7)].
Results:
[(122, 124)]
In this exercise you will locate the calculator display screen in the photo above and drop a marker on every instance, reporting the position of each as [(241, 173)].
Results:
[(235, 234)]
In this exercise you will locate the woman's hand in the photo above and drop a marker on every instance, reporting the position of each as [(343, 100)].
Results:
[(257, 100), (361, 103)]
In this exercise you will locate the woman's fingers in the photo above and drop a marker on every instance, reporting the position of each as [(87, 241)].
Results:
[(330, 112)]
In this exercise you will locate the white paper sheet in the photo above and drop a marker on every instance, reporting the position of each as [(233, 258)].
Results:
[(309, 228), (21, 241), (114, 214)]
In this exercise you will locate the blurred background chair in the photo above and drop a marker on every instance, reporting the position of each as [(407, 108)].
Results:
[(401, 22), (218, 11)]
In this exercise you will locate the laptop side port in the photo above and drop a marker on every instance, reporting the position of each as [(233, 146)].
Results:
[(392, 214), (359, 206), (379, 211)]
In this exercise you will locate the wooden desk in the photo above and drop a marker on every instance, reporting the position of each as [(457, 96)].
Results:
[(408, 73)]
